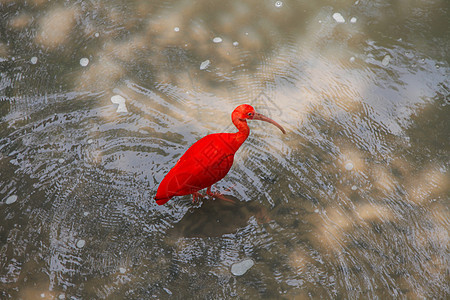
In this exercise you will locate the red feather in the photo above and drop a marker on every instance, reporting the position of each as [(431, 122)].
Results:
[(209, 159)]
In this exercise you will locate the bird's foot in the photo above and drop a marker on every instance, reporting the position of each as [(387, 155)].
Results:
[(217, 195)]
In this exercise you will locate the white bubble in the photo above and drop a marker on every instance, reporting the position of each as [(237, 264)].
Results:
[(235, 43), (11, 199), (81, 243), (62, 296), (176, 29), (86, 213), (349, 166), (386, 60), (204, 64), (96, 34), (354, 188), (352, 59), (353, 20), (122, 270), (84, 61), (278, 4), (338, 18), (42, 295), (90, 141), (61, 160), (242, 267), (117, 99), (217, 40), (34, 60), (316, 211)]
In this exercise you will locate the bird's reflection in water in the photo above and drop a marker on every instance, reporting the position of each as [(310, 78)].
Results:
[(216, 217)]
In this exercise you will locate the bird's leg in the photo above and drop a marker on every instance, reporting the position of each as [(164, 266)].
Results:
[(195, 197), (230, 188), (217, 195), (209, 193)]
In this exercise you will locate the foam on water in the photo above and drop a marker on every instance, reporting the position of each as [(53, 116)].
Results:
[(240, 268), (81, 243), (11, 199), (356, 189), (84, 61), (338, 18), (120, 101), (205, 64)]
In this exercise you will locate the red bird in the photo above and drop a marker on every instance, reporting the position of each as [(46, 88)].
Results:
[(209, 159)]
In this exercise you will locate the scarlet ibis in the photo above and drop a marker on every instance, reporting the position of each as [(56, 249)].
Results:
[(209, 159)]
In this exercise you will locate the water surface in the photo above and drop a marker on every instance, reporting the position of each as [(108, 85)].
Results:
[(351, 203)]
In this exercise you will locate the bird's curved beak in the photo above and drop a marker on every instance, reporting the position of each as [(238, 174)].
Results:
[(261, 117)]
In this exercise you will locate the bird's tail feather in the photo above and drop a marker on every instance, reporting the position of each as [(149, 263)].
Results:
[(161, 200)]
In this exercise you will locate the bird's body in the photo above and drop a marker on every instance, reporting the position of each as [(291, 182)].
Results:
[(208, 160)]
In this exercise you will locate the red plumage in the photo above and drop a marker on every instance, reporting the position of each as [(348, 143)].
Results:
[(209, 159)]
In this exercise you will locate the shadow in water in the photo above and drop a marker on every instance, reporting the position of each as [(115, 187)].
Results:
[(216, 217)]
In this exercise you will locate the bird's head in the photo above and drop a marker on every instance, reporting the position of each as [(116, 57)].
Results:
[(247, 112)]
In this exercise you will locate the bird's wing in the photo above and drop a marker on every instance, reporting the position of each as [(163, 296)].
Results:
[(208, 147), (203, 171), (207, 161), (204, 163)]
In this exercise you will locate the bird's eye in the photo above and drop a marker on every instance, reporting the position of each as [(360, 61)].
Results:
[(250, 114)]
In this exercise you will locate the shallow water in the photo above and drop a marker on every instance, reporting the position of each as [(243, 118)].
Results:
[(351, 203)]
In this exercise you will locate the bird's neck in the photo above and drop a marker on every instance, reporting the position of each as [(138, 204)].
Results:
[(242, 134)]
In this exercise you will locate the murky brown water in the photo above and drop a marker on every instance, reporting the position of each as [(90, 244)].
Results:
[(352, 203)]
